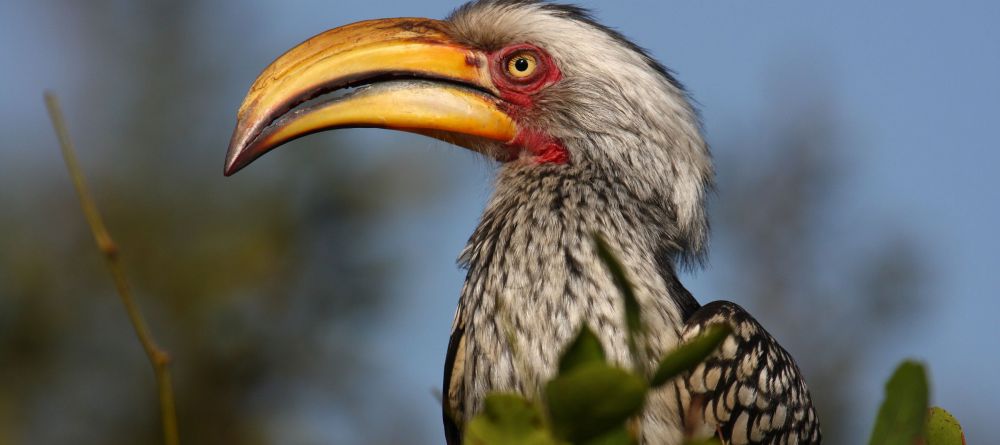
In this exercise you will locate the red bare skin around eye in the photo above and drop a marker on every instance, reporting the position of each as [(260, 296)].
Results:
[(519, 94)]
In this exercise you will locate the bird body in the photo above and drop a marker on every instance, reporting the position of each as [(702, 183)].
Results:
[(593, 136), (534, 277)]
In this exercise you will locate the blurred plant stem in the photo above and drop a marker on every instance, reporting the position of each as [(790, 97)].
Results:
[(158, 357)]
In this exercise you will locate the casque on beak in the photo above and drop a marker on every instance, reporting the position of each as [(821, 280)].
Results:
[(407, 74)]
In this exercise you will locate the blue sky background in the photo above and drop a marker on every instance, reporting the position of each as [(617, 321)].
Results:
[(917, 83)]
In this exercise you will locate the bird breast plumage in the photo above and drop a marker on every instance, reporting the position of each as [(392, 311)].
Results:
[(534, 277)]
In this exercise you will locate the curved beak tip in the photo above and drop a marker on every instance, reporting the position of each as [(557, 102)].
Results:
[(234, 158), (237, 158), (230, 169), (242, 148)]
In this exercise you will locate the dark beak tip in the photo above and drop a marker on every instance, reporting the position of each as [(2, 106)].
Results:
[(238, 154), (235, 161), (232, 162), (241, 152)]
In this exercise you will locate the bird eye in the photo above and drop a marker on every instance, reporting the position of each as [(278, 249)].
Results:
[(522, 65)]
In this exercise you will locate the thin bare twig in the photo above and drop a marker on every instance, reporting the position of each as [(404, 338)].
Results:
[(157, 356)]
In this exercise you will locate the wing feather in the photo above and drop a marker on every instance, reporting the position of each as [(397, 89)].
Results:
[(451, 402), (750, 391)]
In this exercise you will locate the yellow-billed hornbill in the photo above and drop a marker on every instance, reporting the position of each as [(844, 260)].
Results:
[(592, 135)]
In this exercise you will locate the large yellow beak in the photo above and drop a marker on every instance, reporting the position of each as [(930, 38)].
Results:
[(402, 74)]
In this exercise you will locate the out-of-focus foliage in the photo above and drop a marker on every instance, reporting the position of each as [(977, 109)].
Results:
[(596, 414), (266, 288), (943, 428), (903, 414), (508, 419), (689, 354), (585, 348), (905, 419), (590, 402)]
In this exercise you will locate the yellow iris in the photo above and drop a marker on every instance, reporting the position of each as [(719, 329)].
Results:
[(522, 65)]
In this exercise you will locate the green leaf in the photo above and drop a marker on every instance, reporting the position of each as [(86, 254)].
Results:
[(508, 419), (688, 355), (942, 428), (633, 319), (902, 417), (617, 436), (592, 400), (586, 348)]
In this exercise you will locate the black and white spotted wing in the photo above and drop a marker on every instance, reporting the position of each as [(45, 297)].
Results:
[(749, 391)]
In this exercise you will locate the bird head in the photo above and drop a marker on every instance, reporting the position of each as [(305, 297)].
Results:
[(529, 83)]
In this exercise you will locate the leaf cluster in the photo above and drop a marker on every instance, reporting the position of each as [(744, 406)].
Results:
[(589, 402), (905, 419)]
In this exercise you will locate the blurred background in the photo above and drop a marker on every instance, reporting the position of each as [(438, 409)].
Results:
[(308, 299)]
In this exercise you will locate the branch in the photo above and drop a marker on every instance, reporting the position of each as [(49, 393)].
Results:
[(159, 358)]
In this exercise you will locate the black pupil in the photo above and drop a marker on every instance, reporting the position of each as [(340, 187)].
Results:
[(521, 64)]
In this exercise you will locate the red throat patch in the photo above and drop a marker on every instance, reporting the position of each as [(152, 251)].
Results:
[(544, 148)]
